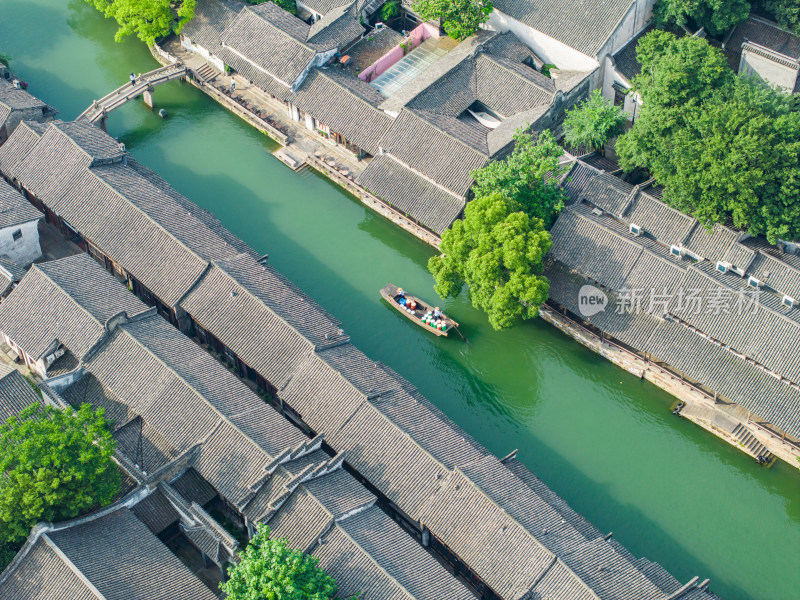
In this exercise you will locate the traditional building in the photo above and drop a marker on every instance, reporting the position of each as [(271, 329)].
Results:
[(760, 47), (716, 305), (15, 393), (196, 438), (109, 554), (452, 492), (59, 311), (19, 229), (123, 214), (177, 418), (17, 105), (573, 36), (459, 114)]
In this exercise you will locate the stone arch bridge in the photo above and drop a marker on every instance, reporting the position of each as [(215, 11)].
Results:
[(99, 110)]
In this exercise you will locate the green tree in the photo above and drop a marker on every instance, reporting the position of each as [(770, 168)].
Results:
[(594, 122), (5, 59), (785, 12), (679, 71), (498, 253), (270, 570), (460, 18), (147, 19), (527, 177), (717, 16), (390, 10), (287, 5), (54, 465), (726, 150)]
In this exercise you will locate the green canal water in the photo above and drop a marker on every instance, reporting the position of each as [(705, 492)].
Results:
[(602, 439)]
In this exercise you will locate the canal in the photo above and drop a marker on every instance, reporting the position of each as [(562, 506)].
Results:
[(602, 439)]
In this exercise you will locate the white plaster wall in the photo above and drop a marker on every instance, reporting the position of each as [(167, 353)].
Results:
[(770, 71), (548, 49), (24, 250), (215, 61)]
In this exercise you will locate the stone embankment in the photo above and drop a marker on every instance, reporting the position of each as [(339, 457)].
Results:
[(266, 115), (727, 421)]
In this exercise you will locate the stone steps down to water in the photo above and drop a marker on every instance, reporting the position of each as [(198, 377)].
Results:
[(750, 443)]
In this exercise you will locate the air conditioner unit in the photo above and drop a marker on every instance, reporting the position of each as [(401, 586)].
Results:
[(635, 229), (788, 301), (677, 251), (51, 358), (753, 282), (723, 267)]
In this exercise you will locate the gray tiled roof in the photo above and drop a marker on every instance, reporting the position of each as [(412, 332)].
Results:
[(344, 103), (585, 26), (15, 393), (211, 17), (599, 248), (133, 215), (72, 299), (666, 224), (778, 270), (367, 553), (608, 193), (113, 554), (765, 33), (14, 209), (272, 39), (765, 333), (418, 143), (576, 179), (284, 325), (713, 243), (338, 28), (411, 193), (17, 147), (625, 58), (265, 42), (435, 136), (13, 99)]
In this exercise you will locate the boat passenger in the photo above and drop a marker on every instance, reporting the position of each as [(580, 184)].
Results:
[(400, 297), (437, 314)]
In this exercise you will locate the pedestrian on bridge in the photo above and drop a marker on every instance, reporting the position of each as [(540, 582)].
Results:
[(133, 79)]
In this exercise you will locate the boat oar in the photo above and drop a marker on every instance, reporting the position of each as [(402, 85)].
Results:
[(462, 335)]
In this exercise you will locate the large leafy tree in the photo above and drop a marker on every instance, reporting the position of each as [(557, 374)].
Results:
[(270, 570), (785, 12), (717, 16), (726, 151), (147, 19), (460, 18), (594, 122), (498, 253), (527, 177), (54, 464)]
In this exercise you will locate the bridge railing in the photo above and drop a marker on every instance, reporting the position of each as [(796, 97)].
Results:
[(126, 92)]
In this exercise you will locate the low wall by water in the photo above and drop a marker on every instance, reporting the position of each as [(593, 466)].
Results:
[(701, 406)]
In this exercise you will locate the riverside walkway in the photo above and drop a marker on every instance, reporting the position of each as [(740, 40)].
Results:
[(143, 86)]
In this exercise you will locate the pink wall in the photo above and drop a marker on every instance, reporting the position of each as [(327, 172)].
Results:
[(417, 36)]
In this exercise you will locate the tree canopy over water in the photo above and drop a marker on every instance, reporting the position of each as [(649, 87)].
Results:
[(147, 19)]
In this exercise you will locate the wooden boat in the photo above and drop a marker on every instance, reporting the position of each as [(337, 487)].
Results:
[(389, 293)]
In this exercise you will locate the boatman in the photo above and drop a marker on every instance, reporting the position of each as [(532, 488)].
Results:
[(437, 314), (401, 297)]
